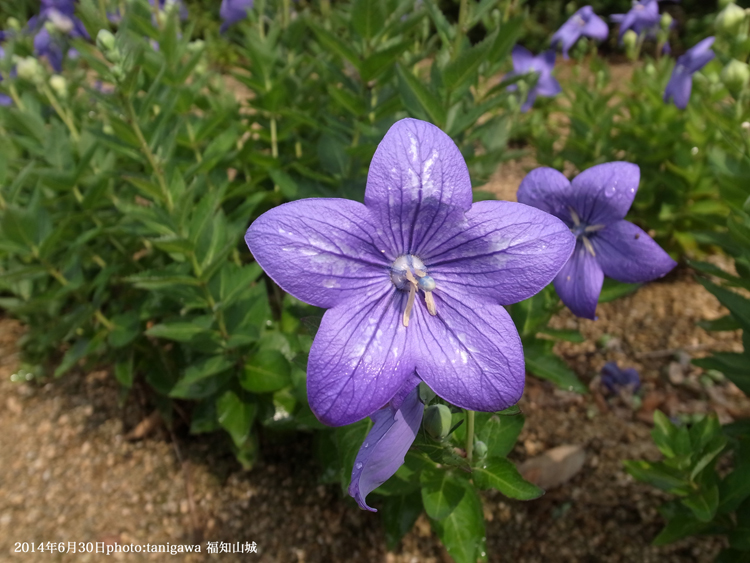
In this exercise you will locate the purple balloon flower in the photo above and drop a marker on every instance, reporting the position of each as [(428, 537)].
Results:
[(232, 11), (523, 63), (47, 46), (681, 82), (593, 205), (642, 17), (583, 23), (414, 279), (616, 379), (394, 429)]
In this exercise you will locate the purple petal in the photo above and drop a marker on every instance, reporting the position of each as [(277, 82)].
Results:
[(530, 99), (566, 36), (322, 251), (385, 446), (417, 187), (701, 47), (626, 253), (5, 100), (596, 28), (470, 353), (678, 88), (232, 11), (548, 86), (507, 252), (546, 189), (603, 193), (545, 61), (579, 283), (359, 358), (700, 60), (522, 59)]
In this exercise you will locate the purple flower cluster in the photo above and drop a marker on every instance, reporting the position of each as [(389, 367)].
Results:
[(584, 23), (414, 281), (64, 24)]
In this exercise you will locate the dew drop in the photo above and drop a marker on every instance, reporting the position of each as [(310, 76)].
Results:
[(610, 191), (358, 465), (367, 444)]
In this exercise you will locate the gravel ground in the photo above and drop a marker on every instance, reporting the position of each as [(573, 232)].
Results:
[(69, 473)]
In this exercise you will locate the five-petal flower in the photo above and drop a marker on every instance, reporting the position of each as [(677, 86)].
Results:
[(594, 205), (582, 23), (681, 82), (415, 279), (525, 62), (643, 17)]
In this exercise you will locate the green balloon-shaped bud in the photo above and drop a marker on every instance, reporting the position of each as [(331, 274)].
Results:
[(437, 421), (480, 450), (666, 21), (735, 76), (630, 39), (730, 20)]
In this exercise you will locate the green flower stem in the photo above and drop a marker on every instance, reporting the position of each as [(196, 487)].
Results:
[(469, 435), (133, 119), (104, 320), (16, 98), (463, 14), (64, 115), (274, 140)]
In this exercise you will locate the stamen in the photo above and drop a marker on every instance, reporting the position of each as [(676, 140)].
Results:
[(588, 245), (593, 228), (420, 273), (410, 277), (410, 303), (429, 300), (574, 216)]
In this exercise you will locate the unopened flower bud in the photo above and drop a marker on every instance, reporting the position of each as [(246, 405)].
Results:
[(666, 21), (724, 3), (106, 43), (480, 449), (730, 20), (650, 69), (13, 24), (28, 68), (60, 22), (735, 76), (425, 393), (437, 421), (630, 39), (195, 46), (59, 85)]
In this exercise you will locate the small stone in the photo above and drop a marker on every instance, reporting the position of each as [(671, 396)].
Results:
[(554, 467), (676, 373)]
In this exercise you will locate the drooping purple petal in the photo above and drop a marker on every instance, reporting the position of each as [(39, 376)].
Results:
[(322, 251), (678, 89), (548, 86), (470, 354), (546, 189), (232, 11), (604, 193), (579, 283), (418, 185), (359, 358), (507, 252), (382, 453), (596, 28), (627, 254)]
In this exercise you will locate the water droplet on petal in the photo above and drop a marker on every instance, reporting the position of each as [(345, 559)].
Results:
[(358, 465), (367, 444), (610, 191)]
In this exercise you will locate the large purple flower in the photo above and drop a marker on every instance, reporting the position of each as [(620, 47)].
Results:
[(594, 205), (232, 11), (583, 23), (643, 17), (415, 281), (681, 82), (524, 62)]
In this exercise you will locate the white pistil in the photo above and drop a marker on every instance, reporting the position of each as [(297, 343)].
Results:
[(405, 267)]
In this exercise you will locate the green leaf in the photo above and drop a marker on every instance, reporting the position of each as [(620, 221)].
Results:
[(381, 61), (677, 528), (703, 503), (266, 372), (501, 474), (124, 371), (419, 99), (71, 357), (727, 322), (127, 328), (203, 418), (500, 433), (335, 45), (563, 334), (367, 17), (462, 531), (612, 289), (181, 332), (441, 492), (236, 416), (657, 475), (462, 70), (545, 364), (348, 441), (399, 513), (735, 366), (737, 305), (197, 382)]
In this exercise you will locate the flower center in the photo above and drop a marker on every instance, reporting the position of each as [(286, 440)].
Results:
[(581, 230), (408, 273)]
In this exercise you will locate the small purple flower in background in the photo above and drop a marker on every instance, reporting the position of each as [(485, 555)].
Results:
[(681, 82), (232, 11), (643, 17), (583, 23), (414, 282), (615, 380), (594, 205), (523, 63), (168, 4), (4, 99)]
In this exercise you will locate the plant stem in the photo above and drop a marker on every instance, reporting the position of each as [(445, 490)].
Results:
[(463, 13), (16, 98), (274, 140), (61, 112), (469, 435)]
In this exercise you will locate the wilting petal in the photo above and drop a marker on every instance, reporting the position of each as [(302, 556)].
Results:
[(385, 446), (417, 187), (322, 251), (596, 28), (470, 353), (579, 283), (626, 253), (359, 358), (546, 189), (678, 88), (507, 252), (604, 193)]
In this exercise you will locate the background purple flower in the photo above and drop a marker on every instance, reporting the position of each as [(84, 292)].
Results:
[(593, 205), (523, 63), (583, 23), (615, 379), (232, 11), (417, 253), (643, 17), (681, 82)]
